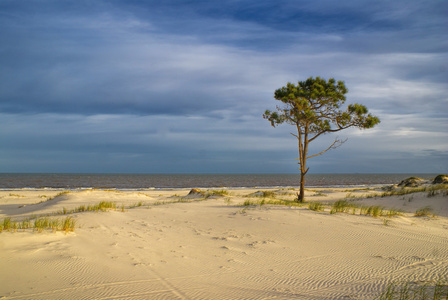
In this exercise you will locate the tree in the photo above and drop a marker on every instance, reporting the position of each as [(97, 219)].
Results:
[(313, 107)]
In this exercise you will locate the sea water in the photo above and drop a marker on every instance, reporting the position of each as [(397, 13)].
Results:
[(168, 181)]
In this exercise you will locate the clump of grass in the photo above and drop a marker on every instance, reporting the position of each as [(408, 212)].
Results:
[(283, 202), (424, 211), (316, 206), (341, 206), (58, 195), (138, 204), (407, 290), (394, 212), (16, 195), (262, 202), (432, 190), (375, 211), (39, 224), (350, 196), (103, 206), (217, 193), (68, 224), (250, 203), (6, 224), (81, 208)]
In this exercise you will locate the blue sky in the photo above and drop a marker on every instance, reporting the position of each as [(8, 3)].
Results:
[(180, 86)]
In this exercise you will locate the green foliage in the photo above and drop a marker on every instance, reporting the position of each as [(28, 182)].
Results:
[(138, 204), (314, 106)]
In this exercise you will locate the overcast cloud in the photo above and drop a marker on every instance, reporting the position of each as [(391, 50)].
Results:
[(181, 86)]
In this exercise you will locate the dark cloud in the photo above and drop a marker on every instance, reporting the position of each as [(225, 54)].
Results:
[(180, 86)]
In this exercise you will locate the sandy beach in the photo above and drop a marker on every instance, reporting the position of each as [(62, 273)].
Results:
[(226, 244)]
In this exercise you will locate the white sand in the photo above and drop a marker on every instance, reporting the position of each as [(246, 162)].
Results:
[(217, 249)]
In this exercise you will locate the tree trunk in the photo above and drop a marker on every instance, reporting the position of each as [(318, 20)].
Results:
[(301, 196)]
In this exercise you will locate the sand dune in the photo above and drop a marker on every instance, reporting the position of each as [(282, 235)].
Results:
[(163, 247)]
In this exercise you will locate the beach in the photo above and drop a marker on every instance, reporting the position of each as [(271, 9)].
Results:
[(229, 243)]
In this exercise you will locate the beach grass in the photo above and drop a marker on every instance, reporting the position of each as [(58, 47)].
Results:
[(424, 211), (271, 201), (415, 291), (342, 206), (39, 224), (316, 206), (216, 193), (431, 191)]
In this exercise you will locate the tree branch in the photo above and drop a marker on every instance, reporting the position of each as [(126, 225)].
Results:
[(337, 143), (327, 131)]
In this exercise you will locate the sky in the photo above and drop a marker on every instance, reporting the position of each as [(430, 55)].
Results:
[(180, 86)]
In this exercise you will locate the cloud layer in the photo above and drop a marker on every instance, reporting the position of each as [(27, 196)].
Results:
[(180, 86)]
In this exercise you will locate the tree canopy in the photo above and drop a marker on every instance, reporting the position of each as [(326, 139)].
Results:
[(314, 106)]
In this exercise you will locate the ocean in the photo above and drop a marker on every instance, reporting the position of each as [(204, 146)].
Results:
[(11, 181)]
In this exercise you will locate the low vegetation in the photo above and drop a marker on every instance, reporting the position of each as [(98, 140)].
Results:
[(271, 202), (216, 193), (431, 191), (415, 291), (316, 206), (39, 224), (424, 211)]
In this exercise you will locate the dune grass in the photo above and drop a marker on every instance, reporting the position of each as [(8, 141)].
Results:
[(316, 206), (431, 191), (342, 206), (271, 202), (414, 291), (216, 193), (102, 206), (39, 225), (424, 211)]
